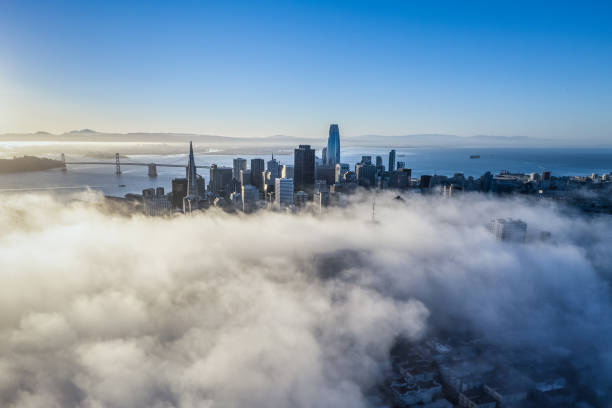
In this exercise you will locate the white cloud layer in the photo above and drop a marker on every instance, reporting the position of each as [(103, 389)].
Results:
[(99, 310)]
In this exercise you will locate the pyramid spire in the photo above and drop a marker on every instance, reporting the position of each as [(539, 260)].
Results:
[(192, 189)]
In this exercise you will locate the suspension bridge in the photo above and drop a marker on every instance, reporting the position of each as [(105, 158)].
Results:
[(152, 167)]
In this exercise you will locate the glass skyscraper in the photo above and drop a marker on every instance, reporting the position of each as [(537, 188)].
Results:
[(333, 145), (392, 160)]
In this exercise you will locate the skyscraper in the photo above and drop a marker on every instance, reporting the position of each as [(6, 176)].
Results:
[(391, 160), (220, 180), (239, 164), (190, 201), (245, 177), (257, 168), (250, 196), (333, 146), (366, 174), (286, 171), (304, 168), (380, 168), (192, 183), (273, 168), (283, 194)]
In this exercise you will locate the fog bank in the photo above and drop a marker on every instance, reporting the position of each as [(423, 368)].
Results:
[(99, 310)]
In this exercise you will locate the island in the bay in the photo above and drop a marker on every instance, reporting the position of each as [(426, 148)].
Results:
[(28, 163)]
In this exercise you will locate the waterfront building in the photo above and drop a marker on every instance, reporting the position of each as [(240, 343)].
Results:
[(148, 193), (304, 168), (333, 146), (283, 192), (157, 205)]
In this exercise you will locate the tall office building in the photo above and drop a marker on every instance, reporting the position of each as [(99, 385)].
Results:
[(274, 168), (179, 191), (283, 194), (286, 171), (333, 146), (366, 174), (250, 196), (366, 159), (324, 155), (239, 164), (380, 168), (257, 169), (326, 172), (341, 170), (190, 201), (391, 160), (192, 178), (220, 180), (304, 168), (245, 177)]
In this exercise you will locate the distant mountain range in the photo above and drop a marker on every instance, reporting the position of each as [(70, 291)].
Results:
[(418, 140)]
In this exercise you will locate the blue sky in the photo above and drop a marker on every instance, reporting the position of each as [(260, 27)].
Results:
[(257, 68)]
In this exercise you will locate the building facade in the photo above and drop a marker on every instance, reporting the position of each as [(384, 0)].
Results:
[(333, 146), (283, 194), (304, 168)]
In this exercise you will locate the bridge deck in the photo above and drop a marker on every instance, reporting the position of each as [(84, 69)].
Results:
[(138, 164)]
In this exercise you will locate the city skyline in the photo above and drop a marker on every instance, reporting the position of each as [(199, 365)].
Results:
[(351, 203), (250, 70)]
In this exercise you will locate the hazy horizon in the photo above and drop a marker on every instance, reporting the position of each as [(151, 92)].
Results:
[(291, 68)]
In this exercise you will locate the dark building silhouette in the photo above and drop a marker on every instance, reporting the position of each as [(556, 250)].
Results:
[(366, 174), (425, 181), (327, 173), (391, 160), (400, 178), (179, 191), (221, 180), (304, 169), (257, 168)]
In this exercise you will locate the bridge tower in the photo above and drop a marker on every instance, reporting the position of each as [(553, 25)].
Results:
[(64, 162), (152, 170), (117, 164)]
